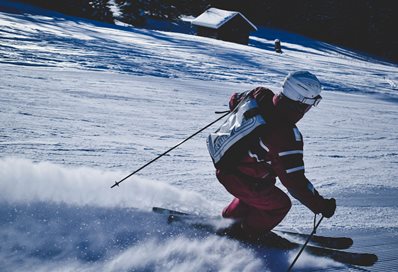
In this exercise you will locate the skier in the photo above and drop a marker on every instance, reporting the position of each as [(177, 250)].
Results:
[(274, 151)]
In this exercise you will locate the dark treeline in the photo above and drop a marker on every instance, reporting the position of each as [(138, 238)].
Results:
[(91, 9), (133, 12), (366, 25)]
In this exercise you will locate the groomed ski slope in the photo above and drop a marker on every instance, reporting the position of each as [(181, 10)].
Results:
[(82, 104)]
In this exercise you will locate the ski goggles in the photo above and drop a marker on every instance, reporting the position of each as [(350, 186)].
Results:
[(303, 105), (311, 101)]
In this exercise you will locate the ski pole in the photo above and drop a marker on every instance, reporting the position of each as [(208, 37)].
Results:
[(177, 145), (305, 244)]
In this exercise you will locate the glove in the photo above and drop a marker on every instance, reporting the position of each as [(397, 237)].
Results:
[(329, 207), (235, 99)]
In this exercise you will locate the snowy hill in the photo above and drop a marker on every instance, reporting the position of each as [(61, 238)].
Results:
[(84, 103)]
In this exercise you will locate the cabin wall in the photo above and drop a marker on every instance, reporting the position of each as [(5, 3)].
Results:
[(236, 30), (207, 32)]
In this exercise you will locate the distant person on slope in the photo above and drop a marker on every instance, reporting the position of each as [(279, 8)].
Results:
[(260, 142)]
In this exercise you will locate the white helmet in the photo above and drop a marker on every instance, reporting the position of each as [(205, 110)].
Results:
[(302, 86)]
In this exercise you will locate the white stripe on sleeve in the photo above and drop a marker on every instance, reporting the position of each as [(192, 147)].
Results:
[(291, 152), (292, 170), (263, 146)]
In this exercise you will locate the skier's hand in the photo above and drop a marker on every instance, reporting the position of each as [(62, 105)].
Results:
[(329, 207), (233, 101)]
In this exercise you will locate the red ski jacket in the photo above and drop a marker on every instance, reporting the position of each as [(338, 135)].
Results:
[(277, 153)]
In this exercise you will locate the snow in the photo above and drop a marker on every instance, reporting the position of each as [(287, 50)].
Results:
[(83, 104), (215, 18)]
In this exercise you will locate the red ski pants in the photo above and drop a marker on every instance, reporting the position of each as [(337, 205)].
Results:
[(259, 210)]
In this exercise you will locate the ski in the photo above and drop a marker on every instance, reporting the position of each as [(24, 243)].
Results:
[(353, 258), (272, 239), (323, 241)]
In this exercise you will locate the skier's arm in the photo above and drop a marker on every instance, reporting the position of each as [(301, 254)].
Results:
[(288, 165), (302, 189)]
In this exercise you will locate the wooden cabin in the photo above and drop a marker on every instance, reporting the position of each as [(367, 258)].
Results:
[(224, 25)]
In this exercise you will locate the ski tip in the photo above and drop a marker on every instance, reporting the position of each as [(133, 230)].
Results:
[(343, 243), (365, 259), (348, 241), (370, 259)]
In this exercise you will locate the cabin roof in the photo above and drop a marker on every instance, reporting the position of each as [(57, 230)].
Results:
[(215, 18)]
